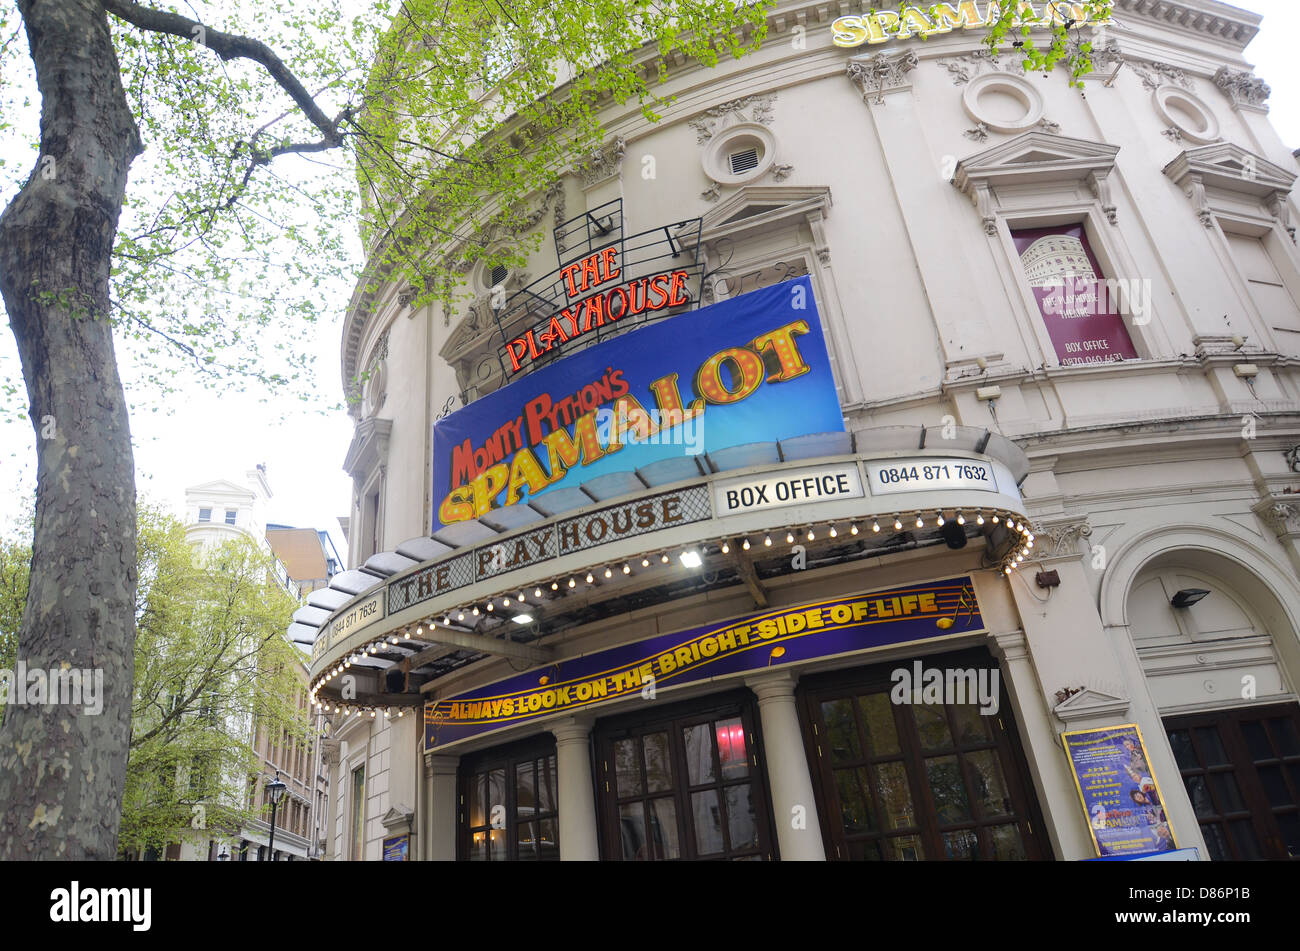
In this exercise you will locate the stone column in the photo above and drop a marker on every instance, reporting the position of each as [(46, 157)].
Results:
[(330, 757), (794, 810), (579, 841), (441, 774)]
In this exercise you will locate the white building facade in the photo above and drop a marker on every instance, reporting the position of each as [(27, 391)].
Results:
[(1063, 333)]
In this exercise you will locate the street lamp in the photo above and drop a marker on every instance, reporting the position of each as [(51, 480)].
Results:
[(275, 789), (224, 856)]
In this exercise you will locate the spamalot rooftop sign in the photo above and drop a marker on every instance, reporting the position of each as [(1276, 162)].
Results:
[(933, 19)]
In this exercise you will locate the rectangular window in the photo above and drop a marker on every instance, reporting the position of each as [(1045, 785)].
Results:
[(205, 515), (509, 806), (1080, 307), (230, 516), (1269, 292), (684, 785), (915, 781), (358, 812)]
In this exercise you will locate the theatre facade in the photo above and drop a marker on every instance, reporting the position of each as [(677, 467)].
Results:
[(887, 455)]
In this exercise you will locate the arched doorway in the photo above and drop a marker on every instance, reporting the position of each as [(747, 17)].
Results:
[(1206, 632)]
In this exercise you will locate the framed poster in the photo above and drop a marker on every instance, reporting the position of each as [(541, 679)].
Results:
[(1126, 813), (397, 848), (1082, 310)]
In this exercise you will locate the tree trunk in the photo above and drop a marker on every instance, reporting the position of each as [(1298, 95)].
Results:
[(62, 768)]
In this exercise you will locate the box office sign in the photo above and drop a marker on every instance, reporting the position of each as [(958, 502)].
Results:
[(793, 487), (1126, 813), (750, 369), (770, 639)]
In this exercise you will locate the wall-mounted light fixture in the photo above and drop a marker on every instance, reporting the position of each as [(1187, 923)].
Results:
[(1187, 597)]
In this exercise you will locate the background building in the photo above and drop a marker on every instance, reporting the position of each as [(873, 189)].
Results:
[(305, 560), (1076, 313)]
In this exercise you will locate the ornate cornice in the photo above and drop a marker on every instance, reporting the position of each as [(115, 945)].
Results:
[(1281, 514), (1244, 89), (881, 73), (1059, 536), (712, 121)]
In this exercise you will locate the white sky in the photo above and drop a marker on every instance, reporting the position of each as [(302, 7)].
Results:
[(211, 435)]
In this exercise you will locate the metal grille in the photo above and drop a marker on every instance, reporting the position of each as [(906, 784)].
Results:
[(403, 594), (746, 160), (692, 504)]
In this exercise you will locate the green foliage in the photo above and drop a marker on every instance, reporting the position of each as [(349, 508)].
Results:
[(446, 115), (210, 658)]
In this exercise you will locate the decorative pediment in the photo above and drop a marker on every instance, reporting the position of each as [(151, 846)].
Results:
[(1231, 168), (1228, 169), (755, 209), (760, 206), (1031, 158), (219, 487), (1089, 703), (369, 447), (398, 819)]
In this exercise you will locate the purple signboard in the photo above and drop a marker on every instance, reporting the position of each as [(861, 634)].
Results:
[(771, 639), (1080, 308)]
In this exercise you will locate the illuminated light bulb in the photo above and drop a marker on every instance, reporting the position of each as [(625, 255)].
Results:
[(1007, 569), (489, 605), (460, 616), (372, 714), (609, 573), (475, 612), (399, 714), (645, 562), (386, 714), (1029, 544), (726, 548), (979, 518), (875, 525), (506, 602), (789, 538), (961, 519), (811, 536), (572, 583), (407, 633), (767, 541), (627, 569), (744, 545), (590, 579), (664, 558), (419, 629), (555, 586), (1019, 559), (520, 599), (834, 534), (920, 522), (995, 519), (939, 520), (853, 529), (536, 594), (898, 525)]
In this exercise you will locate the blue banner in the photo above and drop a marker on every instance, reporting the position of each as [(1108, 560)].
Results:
[(751, 369)]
